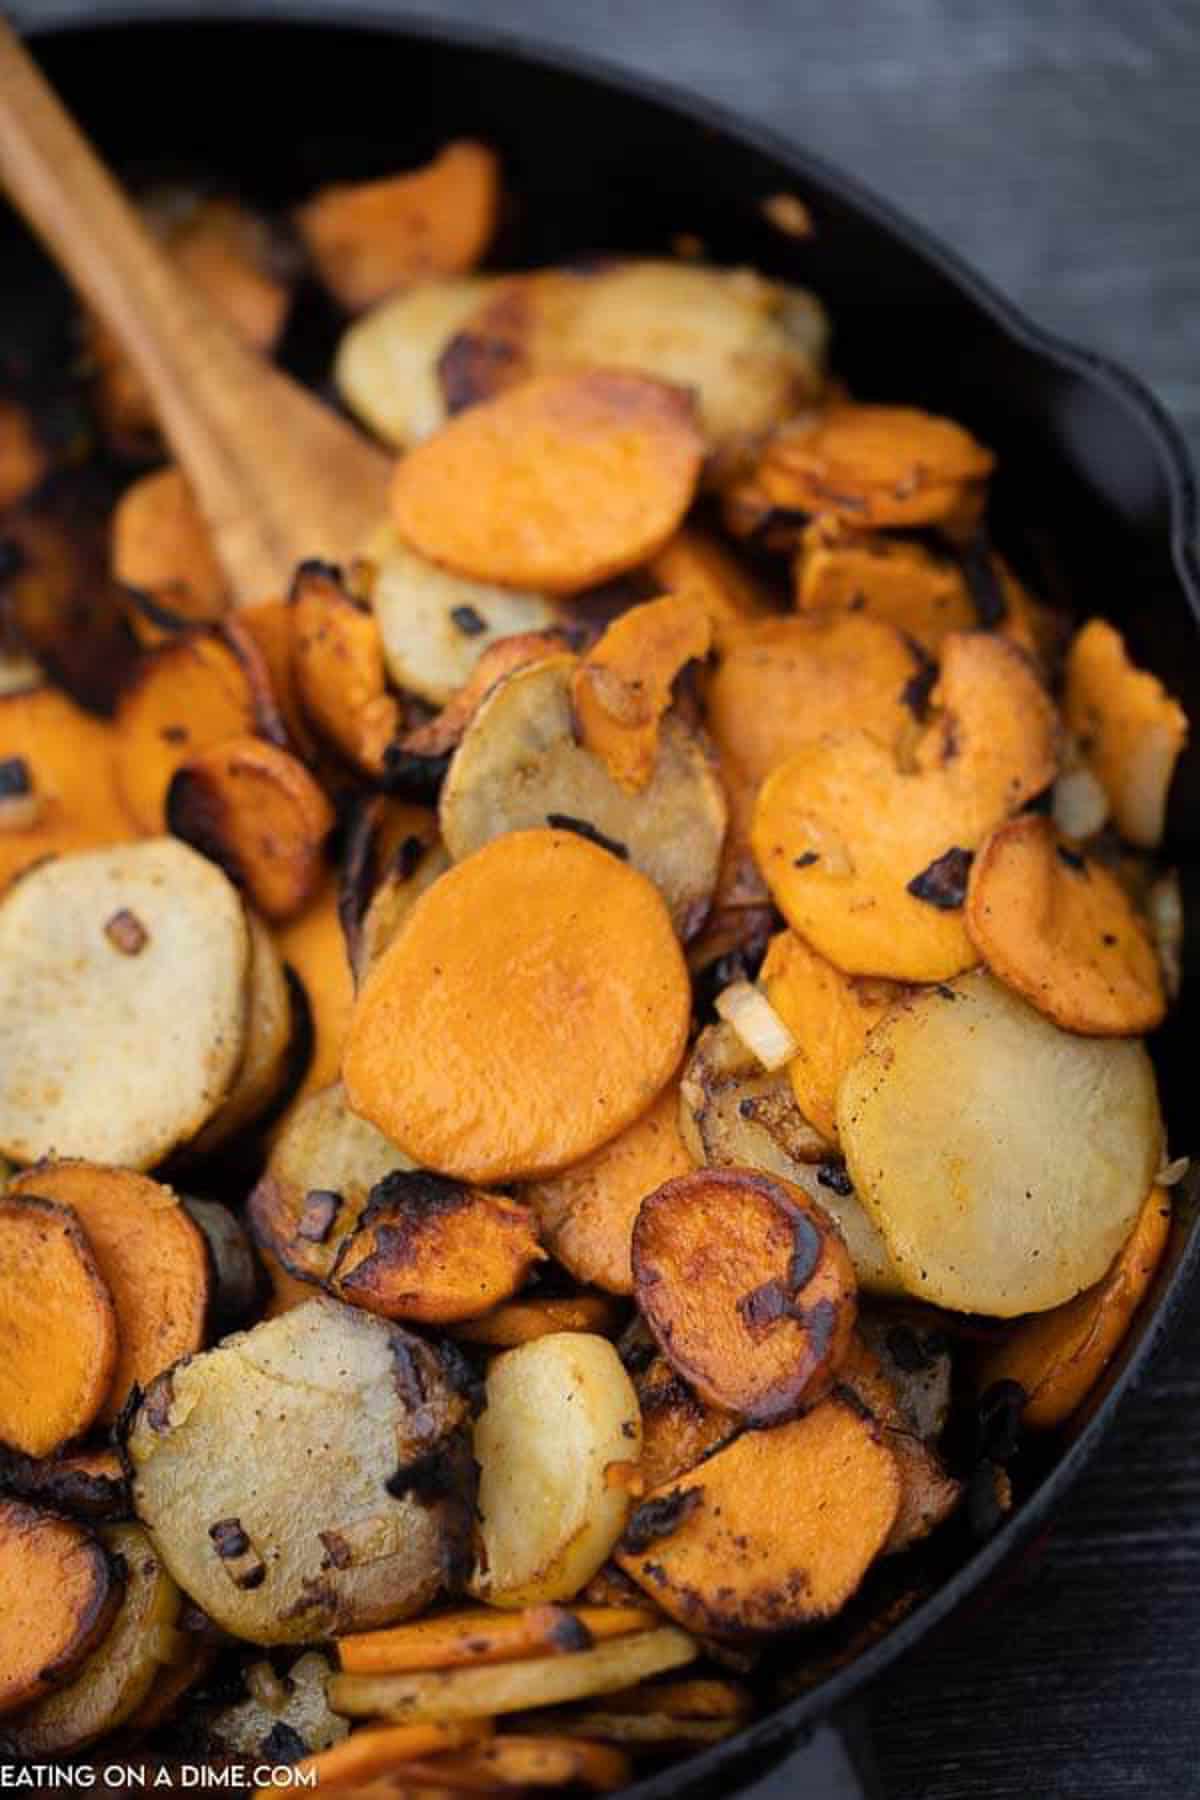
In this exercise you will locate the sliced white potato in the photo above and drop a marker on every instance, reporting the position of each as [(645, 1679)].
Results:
[(520, 765), (559, 1412), (1004, 1160), (282, 1716), (386, 367), (266, 1058), (123, 1002), (308, 1477)]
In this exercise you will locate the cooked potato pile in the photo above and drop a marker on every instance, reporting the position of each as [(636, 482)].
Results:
[(566, 1088)]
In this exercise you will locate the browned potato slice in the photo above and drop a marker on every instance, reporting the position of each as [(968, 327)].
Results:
[(776, 1530), (87, 1484), (1130, 729), (282, 1717), (280, 1545), (61, 1592), (270, 1039), (1013, 1185), (520, 765), (914, 1352), (678, 1428), (107, 958), (393, 853), (386, 364), (748, 1288)]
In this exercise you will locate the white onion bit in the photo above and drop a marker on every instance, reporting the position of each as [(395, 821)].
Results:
[(756, 1022), (1172, 1173)]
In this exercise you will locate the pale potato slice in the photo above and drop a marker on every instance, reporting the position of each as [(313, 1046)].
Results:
[(519, 765), (122, 1003), (308, 1477), (559, 1412), (282, 1716), (116, 1678), (1004, 1160), (386, 365), (435, 625), (266, 1058)]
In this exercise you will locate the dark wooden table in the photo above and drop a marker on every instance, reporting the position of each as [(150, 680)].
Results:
[(1055, 143)]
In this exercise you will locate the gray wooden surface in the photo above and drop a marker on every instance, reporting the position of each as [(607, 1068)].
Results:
[(1056, 144)]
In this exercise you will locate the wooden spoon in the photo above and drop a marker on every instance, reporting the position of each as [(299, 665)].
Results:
[(277, 475)]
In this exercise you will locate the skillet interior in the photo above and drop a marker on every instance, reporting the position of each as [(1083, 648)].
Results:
[(1094, 501)]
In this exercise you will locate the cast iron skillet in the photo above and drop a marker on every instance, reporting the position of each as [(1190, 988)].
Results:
[(1095, 499)]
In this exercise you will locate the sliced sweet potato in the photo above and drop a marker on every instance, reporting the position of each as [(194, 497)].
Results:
[(61, 763), (1011, 1186), (432, 1251), (61, 1592), (384, 1750), (475, 1635), (559, 484), (107, 958), (748, 1288), (623, 685), (162, 548), (867, 858), (338, 667), (928, 1493), (579, 952), (87, 1484), (829, 1015), (313, 946), (910, 586), (697, 566), (587, 1213), (524, 1763), (268, 626), (679, 1429), (1060, 929), (188, 694), (522, 1321), (257, 812), (1058, 1357), (152, 1259), (370, 238), (23, 458), (270, 1044), (1130, 730), (520, 765), (776, 1530)]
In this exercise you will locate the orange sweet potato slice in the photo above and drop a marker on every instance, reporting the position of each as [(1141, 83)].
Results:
[(475, 1635), (369, 239), (86, 1484), (1130, 730), (1057, 1357), (828, 1013), (521, 1321), (257, 812), (622, 687), (23, 459), (1059, 928), (151, 1257), (523, 1763), (60, 762), (587, 1213), (161, 548), (774, 1531), (268, 625), (313, 946), (61, 1593), (338, 666), (382, 1750), (533, 1004), (555, 485), (679, 1429), (188, 694), (696, 566), (868, 859), (747, 1286), (433, 1251), (51, 1292)]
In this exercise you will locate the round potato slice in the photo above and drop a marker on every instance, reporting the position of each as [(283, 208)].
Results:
[(1003, 1160), (386, 365), (114, 963), (520, 765), (308, 1477), (556, 485), (60, 1591), (60, 763), (533, 1003), (558, 1413), (271, 1029)]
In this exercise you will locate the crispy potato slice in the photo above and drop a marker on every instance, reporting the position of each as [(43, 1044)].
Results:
[(61, 761), (587, 1213), (281, 1546), (474, 1635), (188, 694), (751, 349), (104, 954), (61, 1592), (256, 812), (563, 482), (679, 1429), (867, 859), (579, 952), (557, 1414), (386, 364), (271, 1028), (281, 1718), (433, 1251), (1060, 929), (52, 1292), (452, 1694), (162, 548), (384, 1750), (436, 626), (338, 666), (623, 686), (1059, 1356), (928, 1494), (323, 1167), (748, 1288), (152, 1258), (118, 1675), (523, 1321), (1011, 1187), (370, 238), (525, 1762), (697, 566), (774, 1531), (1130, 729), (86, 1484), (313, 946), (829, 1014), (520, 765)]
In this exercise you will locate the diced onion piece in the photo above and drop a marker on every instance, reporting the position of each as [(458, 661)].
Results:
[(1173, 1172), (1080, 804), (757, 1023)]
